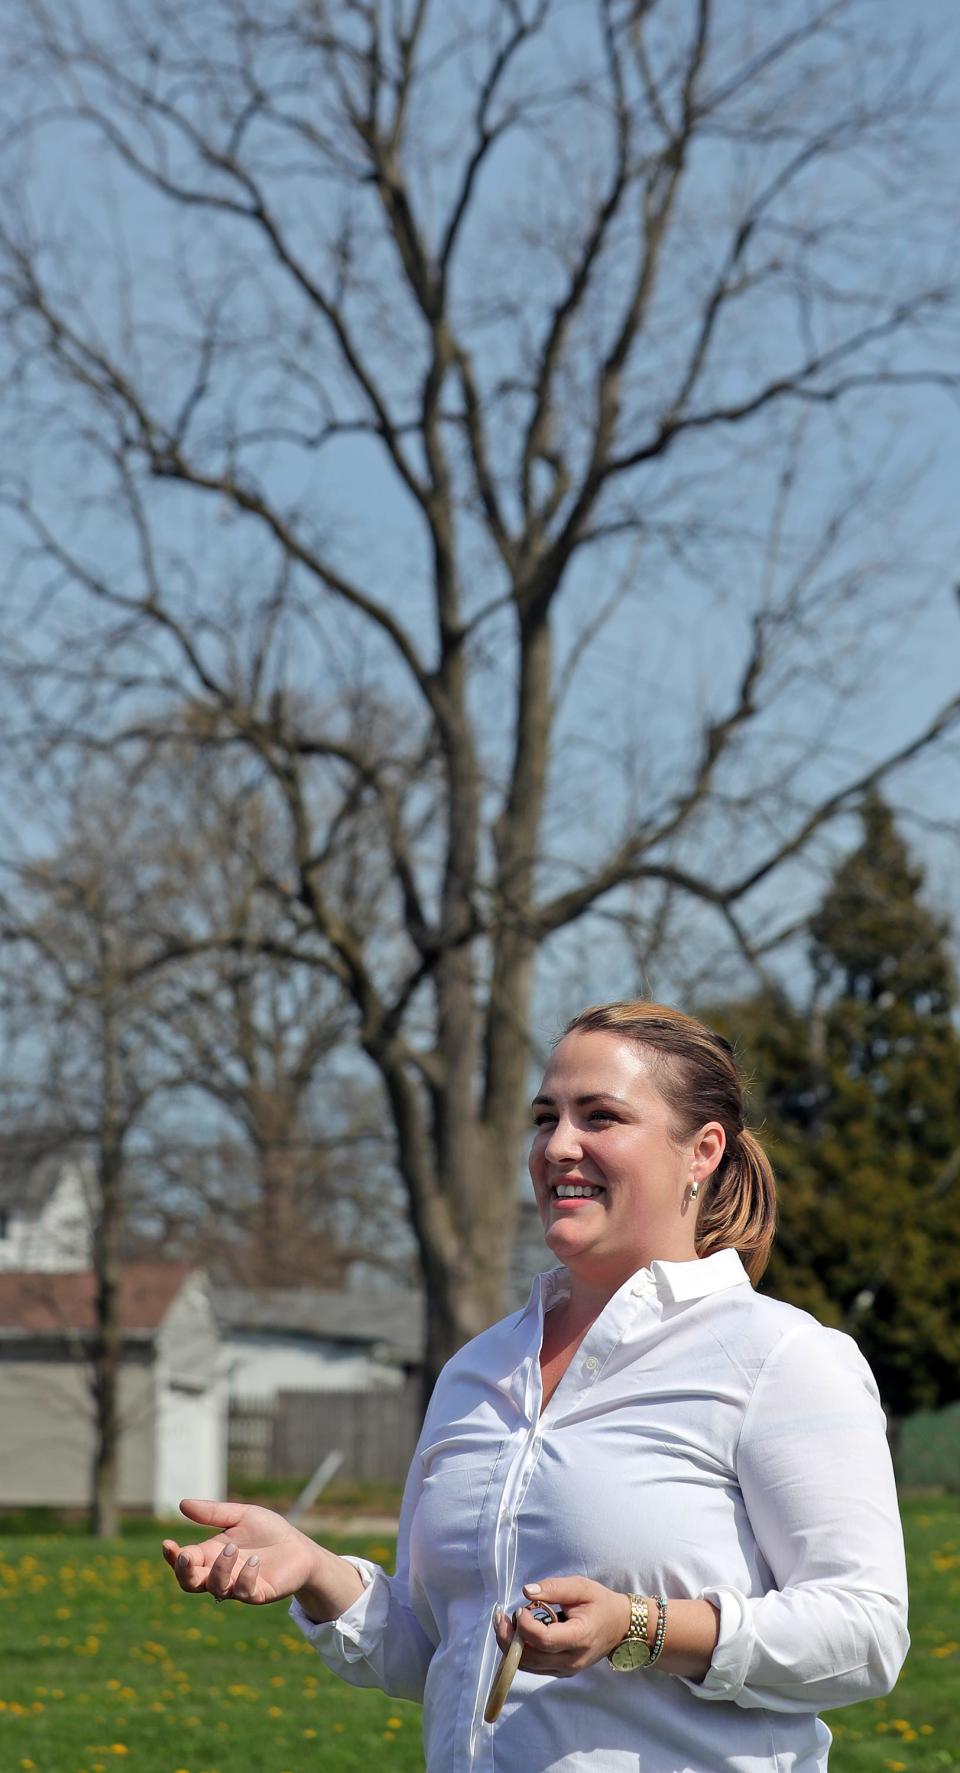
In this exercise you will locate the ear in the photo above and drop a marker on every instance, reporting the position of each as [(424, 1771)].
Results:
[(708, 1148)]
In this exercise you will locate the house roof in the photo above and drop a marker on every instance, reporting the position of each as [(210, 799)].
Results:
[(56, 1304), (394, 1318), (30, 1171)]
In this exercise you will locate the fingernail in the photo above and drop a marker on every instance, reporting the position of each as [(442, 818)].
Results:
[(229, 1550), (497, 1614), (531, 1588), (253, 1562), (182, 1561)]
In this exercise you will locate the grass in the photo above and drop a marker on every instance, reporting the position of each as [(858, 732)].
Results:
[(104, 1664)]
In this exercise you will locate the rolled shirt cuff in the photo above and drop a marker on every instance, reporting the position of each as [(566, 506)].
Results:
[(352, 1636), (727, 1674)]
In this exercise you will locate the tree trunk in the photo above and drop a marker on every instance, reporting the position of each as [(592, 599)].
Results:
[(104, 1510), (108, 1330), (466, 1296), (107, 1351)]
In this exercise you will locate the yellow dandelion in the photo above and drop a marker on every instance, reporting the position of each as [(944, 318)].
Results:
[(388, 1736), (274, 1711), (339, 1728), (119, 1748), (394, 1723), (309, 1734), (926, 1729), (27, 1764), (896, 1766)]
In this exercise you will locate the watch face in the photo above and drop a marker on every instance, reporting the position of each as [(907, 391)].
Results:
[(633, 1654)]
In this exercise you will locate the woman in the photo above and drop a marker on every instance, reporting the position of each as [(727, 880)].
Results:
[(694, 1477)]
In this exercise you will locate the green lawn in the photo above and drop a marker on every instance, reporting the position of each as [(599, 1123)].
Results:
[(103, 1665)]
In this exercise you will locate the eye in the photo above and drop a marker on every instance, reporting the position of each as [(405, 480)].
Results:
[(543, 1120), (602, 1114)]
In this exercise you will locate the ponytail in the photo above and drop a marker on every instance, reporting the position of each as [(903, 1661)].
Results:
[(740, 1209)]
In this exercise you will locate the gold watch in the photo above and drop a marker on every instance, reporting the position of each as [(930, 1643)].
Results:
[(633, 1651)]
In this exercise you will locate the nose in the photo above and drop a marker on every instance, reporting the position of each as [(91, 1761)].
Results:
[(563, 1145)]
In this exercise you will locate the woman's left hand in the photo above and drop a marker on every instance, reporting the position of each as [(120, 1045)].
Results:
[(597, 1619)]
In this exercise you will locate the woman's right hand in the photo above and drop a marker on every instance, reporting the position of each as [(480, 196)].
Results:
[(254, 1556)]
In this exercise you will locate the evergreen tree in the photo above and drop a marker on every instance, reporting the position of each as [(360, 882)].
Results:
[(860, 1100)]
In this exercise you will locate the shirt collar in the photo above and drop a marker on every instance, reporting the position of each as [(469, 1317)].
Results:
[(677, 1282), (680, 1281)]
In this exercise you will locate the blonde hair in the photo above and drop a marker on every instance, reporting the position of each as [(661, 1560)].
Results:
[(696, 1075)]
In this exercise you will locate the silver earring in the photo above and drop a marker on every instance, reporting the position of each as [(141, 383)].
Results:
[(694, 1190)]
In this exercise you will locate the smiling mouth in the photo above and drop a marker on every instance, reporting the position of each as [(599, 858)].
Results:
[(576, 1191)]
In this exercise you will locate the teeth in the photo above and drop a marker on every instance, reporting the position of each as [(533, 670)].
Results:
[(576, 1190)]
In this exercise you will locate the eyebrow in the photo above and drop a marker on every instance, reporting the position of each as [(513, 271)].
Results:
[(582, 1101)]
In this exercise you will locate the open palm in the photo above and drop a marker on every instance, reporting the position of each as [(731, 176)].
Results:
[(272, 1560)]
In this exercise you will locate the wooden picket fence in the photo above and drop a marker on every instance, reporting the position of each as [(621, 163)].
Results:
[(286, 1438)]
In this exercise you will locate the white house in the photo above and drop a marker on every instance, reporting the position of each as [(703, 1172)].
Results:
[(172, 1399), (46, 1214), (308, 1339)]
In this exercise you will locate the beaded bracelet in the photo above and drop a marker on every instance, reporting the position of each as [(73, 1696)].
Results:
[(661, 1601)]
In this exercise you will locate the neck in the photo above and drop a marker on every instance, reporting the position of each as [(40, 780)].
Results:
[(591, 1291)]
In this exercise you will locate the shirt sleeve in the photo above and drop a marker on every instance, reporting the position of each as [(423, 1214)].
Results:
[(379, 1641), (817, 1480)]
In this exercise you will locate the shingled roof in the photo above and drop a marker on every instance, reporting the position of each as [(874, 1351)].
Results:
[(58, 1304), (395, 1319)]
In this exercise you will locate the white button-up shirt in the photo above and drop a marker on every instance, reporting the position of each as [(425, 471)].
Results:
[(705, 1441)]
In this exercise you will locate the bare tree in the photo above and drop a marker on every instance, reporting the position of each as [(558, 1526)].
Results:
[(273, 1165), (407, 359)]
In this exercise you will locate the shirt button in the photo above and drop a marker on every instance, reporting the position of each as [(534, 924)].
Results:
[(591, 1364)]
